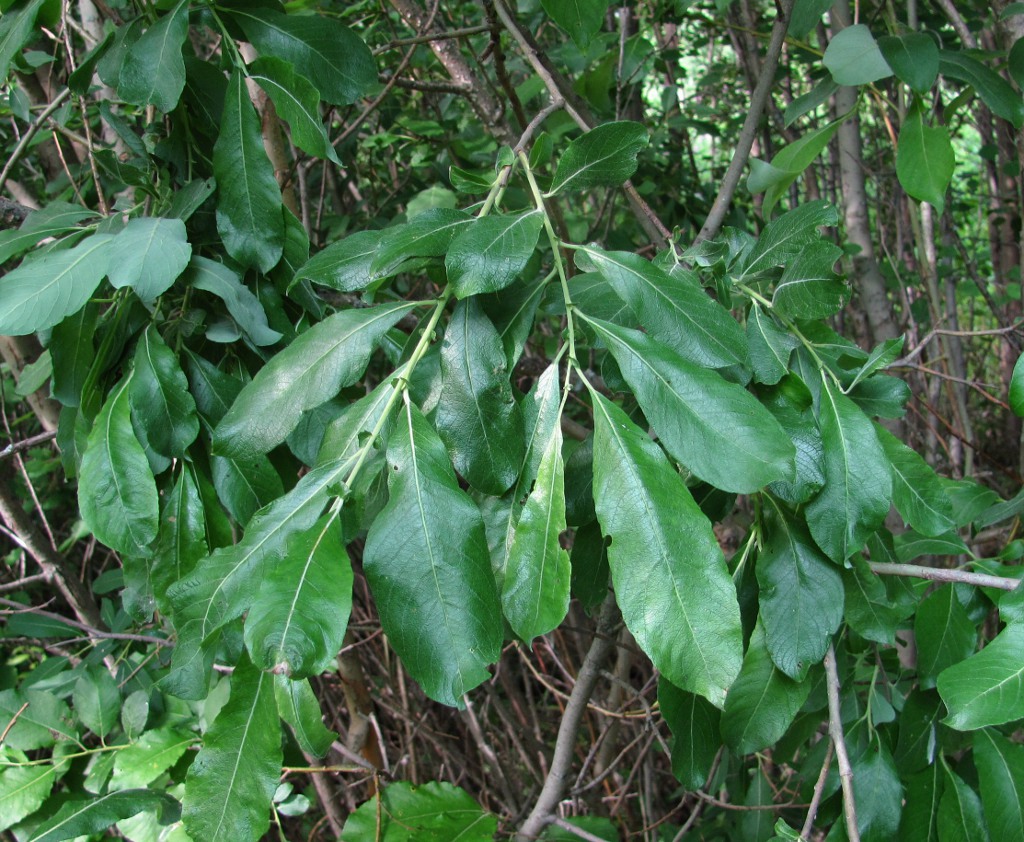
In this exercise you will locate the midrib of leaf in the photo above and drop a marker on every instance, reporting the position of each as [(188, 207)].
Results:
[(110, 458), (97, 241), (148, 349), (917, 495), (757, 705), (91, 804), (759, 316), (472, 388), (168, 26), (1007, 775), (663, 550), (12, 793), (302, 582), (579, 172), (845, 450), (243, 147), (306, 44)]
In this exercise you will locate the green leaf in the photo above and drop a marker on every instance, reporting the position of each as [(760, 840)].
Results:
[(673, 309), (432, 812), (23, 789), (148, 256), (428, 235), (297, 621), (924, 160), (231, 782), (427, 564), (116, 490), (676, 595), (878, 794), (51, 221), (582, 19), (853, 57), (987, 688), (945, 634), (490, 252), (603, 157), (44, 290), (314, 368), (858, 482), (142, 762), (162, 407), (790, 403), (788, 237), (1016, 396), (762, 701), (869, 611), (918, 730), (298, 706), (153, 72), (787, 165), (17, 27), (913, 57), (809, 287), (245, 485), (244, 307), (535, 594), (321, 48), (1000, 765), (40, 724), (801, 597), (805, 16), (81, 817), (345, 265), (250, 215), (1015, 62), (97, 700), (297, 102), (694, 723), (71, 347), (994, 90), (181, 538), (477, 416), (920, 819), (960, 816), (917, 492), (699, 416), (770, 346), (909, 545)]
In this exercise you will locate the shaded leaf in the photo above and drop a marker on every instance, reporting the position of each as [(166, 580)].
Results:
[(945, 634), (994, 90), (297, 705), (428, 235), (987, 688), (244, 307), (853, 57), (694, 723), (924, 160), (1000, 765), (163, 409), (433, 812), (809, 288), (17, 27), (344, 265), (869, 611), (917, 492), (770, 346), (913, 57), (582, 19), (490, 253), (97, 700), (81, 817), (603, 156), (153, 70), (960, 816)]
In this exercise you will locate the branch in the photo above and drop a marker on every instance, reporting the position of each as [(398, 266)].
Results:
[(12, 214), (819, 790), (565, 744), (25, 444), (90, 631), (30, 133), (941, 574), (758, 101), (835, 731)]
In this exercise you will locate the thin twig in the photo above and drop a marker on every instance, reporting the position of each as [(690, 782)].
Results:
[(25, 444), (90, 631), (819, 791), (578, 832), (30, 133), (942, 574), (835, 731), (10, 724), (447, 35)]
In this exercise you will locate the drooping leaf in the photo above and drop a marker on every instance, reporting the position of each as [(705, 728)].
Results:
[(674, 309), (142, 762), (433, 812), (535, 594), (960, 815), (97, 700), (314, 368), (490, 253), (116, 490), (605, 156), (994, 90), (148, 255), (801, 597), (694, 723), (322, 49), (853, 57), (917, 491), (250, 214), (162, 406), (44, 290), (232, 780), (858, 482), (1000, 765), (298, 619), (153, 72), (698, 415), (299, 707), (878, 794), (427, 564), (676, 596), (582, 19), (244, 307), (428, 235), (924, 160), (770, 346), (787, 165), (297, 102), (913, 57), (344, 265), (82, 817), (477, 416), (987, 688), (945, 634), (869, 610)]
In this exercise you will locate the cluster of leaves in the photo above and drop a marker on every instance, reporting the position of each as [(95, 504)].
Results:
[(234, 436)]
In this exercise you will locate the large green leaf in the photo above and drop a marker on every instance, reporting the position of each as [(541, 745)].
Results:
[(603, 157), (314, 368), (477, 416), (42, 291), (788, 236), (762, 701), (433, 812), (428, 235), (148, 255), (920, 819), (55, 219), (878, 794), (490, 253), (809, 287), (245, 485), (153, 72), (924, 160), (694, 723), (344, 265), (250, 214), (297, 102), (995, 91), (582, 19), (987, 688), (244, 307), (858, 481), (535, 594), (853, 57), (17, 27), (23, 789), (676, 595), (232, 780), (1000, 765), (673, 308), (116, 490), (321, 48), (913, 57), (82, 817), (770, 346), (427, 564), (181, 538), (699, 416), (960, 816), (163, 409), (801, 596), (298, 706), (142, 762), (44, 720), (298, 619), (917, 492), (787, 165), (869, 610), (945, 634), (97, 700), (1016, 395)]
